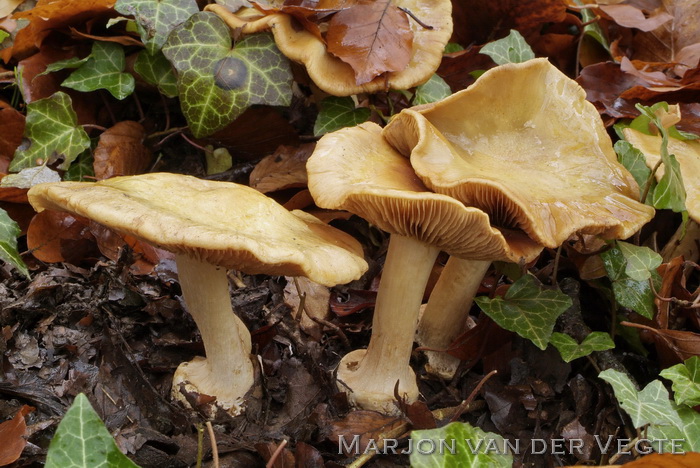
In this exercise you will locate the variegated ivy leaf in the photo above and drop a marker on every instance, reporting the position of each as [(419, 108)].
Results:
[(104, 69), (527, 309), (570, 349), (686, 381), (218, 81), (641, 261), (53, 131), (337, 113), (156, 70), (157, 18), (635, 162), (29, 177), (432, 90), (82, 168), (9, 231), (73, 62), (510, 49)]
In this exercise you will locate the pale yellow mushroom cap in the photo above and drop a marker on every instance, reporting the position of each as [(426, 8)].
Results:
[(688, 155), (524, 145), (221, 223), (355, 169), (336, 77)]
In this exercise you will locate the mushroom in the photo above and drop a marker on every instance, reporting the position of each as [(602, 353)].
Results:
[(533, 154), (357, 170), (212, 226), (333, 75)]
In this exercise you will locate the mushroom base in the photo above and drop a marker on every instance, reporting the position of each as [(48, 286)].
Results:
[(197, 377), (441, 364), (373, 393)]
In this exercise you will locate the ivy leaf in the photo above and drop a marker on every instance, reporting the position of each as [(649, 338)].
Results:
[(73, 62), (472, 446), (103, 70), (649, 406), (53, 129), (337, 113), (217, 82), (570, 349), (83, 441), (81, 169), (510, 49), (686, 381), (688, 433), (527, 310), (432, 90), (156, 70), (9, 231), (157, 18), (635, 162), (29, 177), (637, 295), (641, 261), (670, 192)]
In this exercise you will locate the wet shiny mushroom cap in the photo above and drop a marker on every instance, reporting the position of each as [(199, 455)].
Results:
[(524, 145), (355, 169), (221, 223), (336, 77)]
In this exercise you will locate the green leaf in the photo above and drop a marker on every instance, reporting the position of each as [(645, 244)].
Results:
[(472, 447), (103, 70), (688, 433), (157, 18), (432, 90), (570, 349), (527, 310), (82, 168), (592, 26), (614, 262), (156, 70), (636, 295), (337, 113), (649, 406), (669, 192), (52, 127), (83, 441), (29, 177), (9, 231), (3, 35), (218, 160), (73, 62), (510, 49), (686, 381), (635, 162), (217, 82), (451, 47), (641, 261)]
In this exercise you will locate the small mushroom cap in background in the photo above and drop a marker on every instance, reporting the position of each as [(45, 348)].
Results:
[(355, 169), (221, 223), (524, 145), (688, 155), (336, 77)]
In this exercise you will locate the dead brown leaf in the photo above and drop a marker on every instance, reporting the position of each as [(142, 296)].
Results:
[(299, 200), (630, 16), (11, 131), (659, 460), (123, 40), (285, 168), (373, 37), (316, 303), (120, 151), (144, 256), (369, 425), (55, 236), (12, 441)]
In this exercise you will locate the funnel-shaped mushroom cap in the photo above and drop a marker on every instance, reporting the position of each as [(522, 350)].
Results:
[(355, 169), (688, 155), (221, 223), (337, 77), (524, 145)]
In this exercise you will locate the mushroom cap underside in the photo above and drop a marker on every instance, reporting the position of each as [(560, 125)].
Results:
[(222, 223), (355, 169), (524, 145)]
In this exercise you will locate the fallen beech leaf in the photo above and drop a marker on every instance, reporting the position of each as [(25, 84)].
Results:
[(654, 78), (53, 237), (120, 151), (316, 303), (673, 346), (373, 37), (12, 441), (11, 130), (630, 16), (284, 169), (369, 425), (299, 200), (144, 256), (283, 460), (12, 194)]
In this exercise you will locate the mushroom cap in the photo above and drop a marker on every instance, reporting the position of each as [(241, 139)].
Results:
[(222, 223), (355, 169), (524, 145), (688, 155), (336, 77)]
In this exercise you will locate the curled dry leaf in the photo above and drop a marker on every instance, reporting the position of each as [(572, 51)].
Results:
[(284, 169), (120, 151)]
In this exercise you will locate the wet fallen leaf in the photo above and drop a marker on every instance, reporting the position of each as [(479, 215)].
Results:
[(12, 441), (373, 37), (120, 151)]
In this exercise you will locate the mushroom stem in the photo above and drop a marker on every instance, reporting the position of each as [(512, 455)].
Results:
[(371, 374), (227, 372), (446, 312)]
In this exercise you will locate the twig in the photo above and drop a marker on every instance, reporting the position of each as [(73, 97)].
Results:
[(409, 13), (142, 117), (97, 127), (214, 448), (200, 444), (276, 453), (302, 300), (208, 151), (392, 434), (556, 266), (338, 331), (465, 404)]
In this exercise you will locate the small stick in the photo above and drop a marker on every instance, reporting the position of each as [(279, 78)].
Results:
[(214, 448), (465, 404), (98, 127), (200, 444), (409, 13), (276, 453)]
